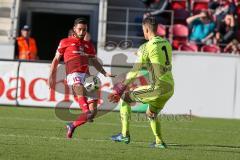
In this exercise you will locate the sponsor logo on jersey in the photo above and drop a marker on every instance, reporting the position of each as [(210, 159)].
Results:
[(81, 48), (86, 46), (81, 51)]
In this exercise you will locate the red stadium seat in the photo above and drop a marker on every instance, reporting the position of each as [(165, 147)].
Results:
[(198, 5), (238, 10), (188, 47), (211, 48), (178, 4), (180, 16), (161, 30), (180, 30), (180, 33)]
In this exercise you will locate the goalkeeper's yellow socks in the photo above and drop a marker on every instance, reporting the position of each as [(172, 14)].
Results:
[(125, 113), (156, 128)]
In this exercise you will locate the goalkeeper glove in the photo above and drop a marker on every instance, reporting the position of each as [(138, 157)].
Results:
[(118, 90)]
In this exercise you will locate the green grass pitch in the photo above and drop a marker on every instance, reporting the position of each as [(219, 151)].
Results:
[(37, 134)]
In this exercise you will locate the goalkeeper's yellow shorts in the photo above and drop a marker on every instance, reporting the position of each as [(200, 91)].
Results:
[(156, 97)]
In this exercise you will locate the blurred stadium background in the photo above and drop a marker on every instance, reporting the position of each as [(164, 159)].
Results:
[(202, 118)]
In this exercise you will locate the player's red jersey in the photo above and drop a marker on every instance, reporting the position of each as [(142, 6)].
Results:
[(76, 53)]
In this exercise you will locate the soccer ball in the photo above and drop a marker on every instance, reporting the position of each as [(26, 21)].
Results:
[(92, 83)]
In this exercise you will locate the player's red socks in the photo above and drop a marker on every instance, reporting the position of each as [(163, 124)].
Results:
[(82, 101), (81, 120)]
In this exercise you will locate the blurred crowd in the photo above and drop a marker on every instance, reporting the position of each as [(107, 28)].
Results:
[(213, 23)]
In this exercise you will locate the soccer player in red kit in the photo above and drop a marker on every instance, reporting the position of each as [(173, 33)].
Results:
[(77, 54)]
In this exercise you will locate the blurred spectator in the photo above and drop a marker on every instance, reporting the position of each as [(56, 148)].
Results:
[(233, 47), (225, 7), (26, 47), (158, 7), (213, 4), (147, 3), (226, 30), (155, 8), (202, 27), (232, 9)]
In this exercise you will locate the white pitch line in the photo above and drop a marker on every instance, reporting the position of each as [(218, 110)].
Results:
[(44, 137), (76, 139), (29, 119), (132, 125), (98, 140), (65, 139)]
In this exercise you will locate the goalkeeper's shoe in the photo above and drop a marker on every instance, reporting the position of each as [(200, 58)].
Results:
[(158, 145), (70, 129), (119, 138)]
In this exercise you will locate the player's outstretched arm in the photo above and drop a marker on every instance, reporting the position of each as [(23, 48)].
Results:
[(120, 87), (53, 70), (94, 61), (133, 73)]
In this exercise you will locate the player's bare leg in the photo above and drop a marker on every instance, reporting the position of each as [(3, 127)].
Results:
[(93, 110)]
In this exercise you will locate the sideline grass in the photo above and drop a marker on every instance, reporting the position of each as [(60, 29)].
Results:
[(37, 134)]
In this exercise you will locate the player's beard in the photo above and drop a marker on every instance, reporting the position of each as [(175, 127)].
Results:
[(79, 36)]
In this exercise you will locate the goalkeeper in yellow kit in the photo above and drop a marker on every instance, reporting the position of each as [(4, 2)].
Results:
[(156, 56)]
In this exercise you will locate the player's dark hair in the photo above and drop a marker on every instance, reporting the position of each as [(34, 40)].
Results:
[(151, 23), (80, 21)]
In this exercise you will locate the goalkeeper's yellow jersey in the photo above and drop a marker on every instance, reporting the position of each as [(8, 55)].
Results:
[(156, 56)]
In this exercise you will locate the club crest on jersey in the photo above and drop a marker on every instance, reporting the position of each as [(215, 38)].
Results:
[(81, 48)]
